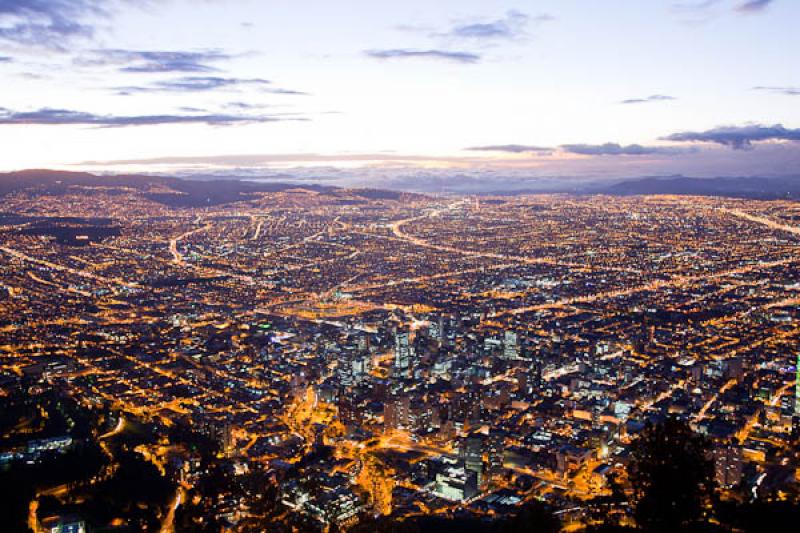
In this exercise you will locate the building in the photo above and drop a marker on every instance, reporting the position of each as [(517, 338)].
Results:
[(472, 455), (796, 417), (456, 484), (728, 465), (495, 452), (510, 345), (63, 524), (396, 413), (403, 351), (360, 367)]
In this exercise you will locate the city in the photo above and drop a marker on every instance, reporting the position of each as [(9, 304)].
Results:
[(363, 353), (378, 266)]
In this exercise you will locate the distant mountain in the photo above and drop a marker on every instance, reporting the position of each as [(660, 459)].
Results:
[(756, 188), (200, 191), (502, 185), (174, 192)]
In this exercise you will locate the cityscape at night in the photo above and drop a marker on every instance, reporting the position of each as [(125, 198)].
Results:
[(265, 283)]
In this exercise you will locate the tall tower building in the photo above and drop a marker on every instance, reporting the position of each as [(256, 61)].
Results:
[(797, 387), (796, 415), (403, 351), (472, 453), (510, 346)]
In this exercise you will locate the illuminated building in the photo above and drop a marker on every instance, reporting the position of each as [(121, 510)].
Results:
[(64, 524), (396, 413), (403, 351), (728, 465), (510, 346), (472, 455), (796, 417), (456, 484)]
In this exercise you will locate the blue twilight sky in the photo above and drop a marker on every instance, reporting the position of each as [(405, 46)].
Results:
[(576, 88)]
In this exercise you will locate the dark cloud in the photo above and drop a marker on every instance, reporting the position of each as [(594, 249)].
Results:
[(61, 117), (753, 6), (649, 99), (48, 23), (443, 55), (4, 59), (738, 138), (512, 149), (616, 149), (789, 91), (138, 61), (206, 83)]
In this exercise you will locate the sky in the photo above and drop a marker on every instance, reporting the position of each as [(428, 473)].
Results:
[(316, 89)]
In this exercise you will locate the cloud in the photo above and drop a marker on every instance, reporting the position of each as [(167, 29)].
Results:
[(738, 137), (48, 23), (206, 83), (197, 84), (753, 6), (63, 117), (244, 106), (583, 149), (512, 149), (617, 149), (289, 92), (4, 59), (789, 91), (649, 99), (511, 26), (148, 61), (407, 53)]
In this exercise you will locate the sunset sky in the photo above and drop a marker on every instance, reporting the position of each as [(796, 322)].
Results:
[(572, 88)]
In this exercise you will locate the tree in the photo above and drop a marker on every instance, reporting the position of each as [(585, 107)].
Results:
[(672, 477)]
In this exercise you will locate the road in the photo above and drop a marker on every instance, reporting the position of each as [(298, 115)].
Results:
[(177, 257), (61, 268), (764, 221), (677, 281), (397, 231)]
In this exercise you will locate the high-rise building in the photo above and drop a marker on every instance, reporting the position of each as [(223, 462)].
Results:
[(797, 387), (535, 373), (396, 413), (796, 417), (225, 439), (728, 465), (510, 346), (363, 343), (472, 455), (403, 351), (361, 366), (435, 329), (495, 451)]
